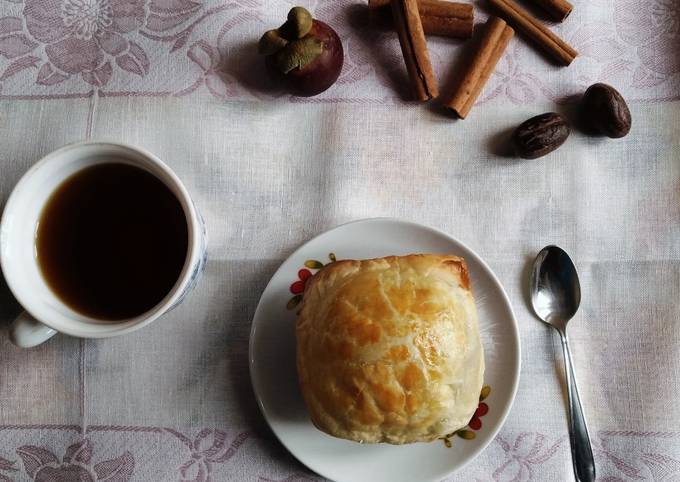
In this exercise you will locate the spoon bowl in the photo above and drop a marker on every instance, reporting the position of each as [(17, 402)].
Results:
[(555, 288)]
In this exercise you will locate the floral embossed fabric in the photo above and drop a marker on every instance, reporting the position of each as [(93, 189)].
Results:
[(177, 47)]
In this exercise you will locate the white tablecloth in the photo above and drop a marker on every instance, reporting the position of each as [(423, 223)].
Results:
[(180, 78)]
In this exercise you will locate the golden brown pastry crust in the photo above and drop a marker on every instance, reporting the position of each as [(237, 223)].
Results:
[(388, 349)]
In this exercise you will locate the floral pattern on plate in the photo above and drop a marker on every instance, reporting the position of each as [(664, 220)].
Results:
[(475, 423), (298, 287)]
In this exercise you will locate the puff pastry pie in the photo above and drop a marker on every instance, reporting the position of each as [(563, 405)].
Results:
[(388, 349)]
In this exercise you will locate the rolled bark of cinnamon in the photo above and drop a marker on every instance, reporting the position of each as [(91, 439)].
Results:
[(557, 9), (414, 48), (495, 39), (535, 30), (439, 17)]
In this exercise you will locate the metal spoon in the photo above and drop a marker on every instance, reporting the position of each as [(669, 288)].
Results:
[(555, 296)]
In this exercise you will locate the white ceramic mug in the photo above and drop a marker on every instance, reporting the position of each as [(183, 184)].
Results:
[(45, 314)]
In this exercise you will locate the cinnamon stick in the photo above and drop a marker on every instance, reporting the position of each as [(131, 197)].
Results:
[(495, 38), (439, 17), (535, 30), (557, 9), (414, 48)]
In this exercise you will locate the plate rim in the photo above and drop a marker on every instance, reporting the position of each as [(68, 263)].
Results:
[(506, 299)]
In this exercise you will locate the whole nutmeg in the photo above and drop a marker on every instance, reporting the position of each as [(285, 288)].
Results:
[(540, 135), (604, 110)]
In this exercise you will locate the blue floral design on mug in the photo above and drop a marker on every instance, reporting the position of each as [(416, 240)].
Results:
[(199, 267)]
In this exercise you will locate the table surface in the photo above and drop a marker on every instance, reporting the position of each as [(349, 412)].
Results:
[(181, 78)]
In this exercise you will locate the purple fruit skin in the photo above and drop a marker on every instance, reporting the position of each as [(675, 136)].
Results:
[(318, 75)]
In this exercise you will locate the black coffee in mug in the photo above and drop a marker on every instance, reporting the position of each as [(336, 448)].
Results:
[(111, 241)]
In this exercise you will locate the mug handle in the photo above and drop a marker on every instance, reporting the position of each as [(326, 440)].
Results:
[(27, 332)]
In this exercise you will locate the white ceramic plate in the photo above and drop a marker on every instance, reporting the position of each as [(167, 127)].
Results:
[(272, 359)]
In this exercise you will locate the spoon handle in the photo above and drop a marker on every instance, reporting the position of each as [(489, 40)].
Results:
[(581, 451)]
